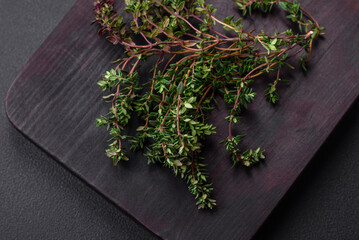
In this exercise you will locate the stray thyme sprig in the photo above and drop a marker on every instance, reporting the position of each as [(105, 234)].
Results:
[(192, 63)]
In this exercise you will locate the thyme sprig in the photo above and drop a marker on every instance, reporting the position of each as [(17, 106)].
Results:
[(193, 62)]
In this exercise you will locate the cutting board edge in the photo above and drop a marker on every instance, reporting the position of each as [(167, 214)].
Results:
[(16, 125), (72, 171), (347, 108)]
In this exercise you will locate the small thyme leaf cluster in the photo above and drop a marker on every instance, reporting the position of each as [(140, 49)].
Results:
[(193, 62)]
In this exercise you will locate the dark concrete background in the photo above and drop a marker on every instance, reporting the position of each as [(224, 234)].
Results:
[(40, 199)]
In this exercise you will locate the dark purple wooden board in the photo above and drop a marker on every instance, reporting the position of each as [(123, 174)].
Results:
[(55, 100)]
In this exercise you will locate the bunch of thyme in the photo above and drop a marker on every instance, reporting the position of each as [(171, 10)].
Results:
[(193, 62)]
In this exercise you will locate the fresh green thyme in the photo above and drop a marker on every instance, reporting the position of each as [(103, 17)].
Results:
[(193, 62)]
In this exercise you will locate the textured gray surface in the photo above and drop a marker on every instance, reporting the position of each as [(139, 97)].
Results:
[(39, 199)]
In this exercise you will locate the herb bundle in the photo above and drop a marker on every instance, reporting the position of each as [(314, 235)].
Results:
[(193, 61)]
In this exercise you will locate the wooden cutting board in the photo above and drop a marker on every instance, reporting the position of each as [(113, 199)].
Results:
[(54, 101)]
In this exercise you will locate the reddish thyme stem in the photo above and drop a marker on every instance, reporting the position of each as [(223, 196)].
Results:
[(231, 118)]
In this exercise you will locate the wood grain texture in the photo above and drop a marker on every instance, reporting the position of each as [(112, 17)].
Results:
[(55, 100)]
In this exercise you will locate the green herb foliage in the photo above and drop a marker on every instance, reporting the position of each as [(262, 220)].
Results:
[(192, 62)]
